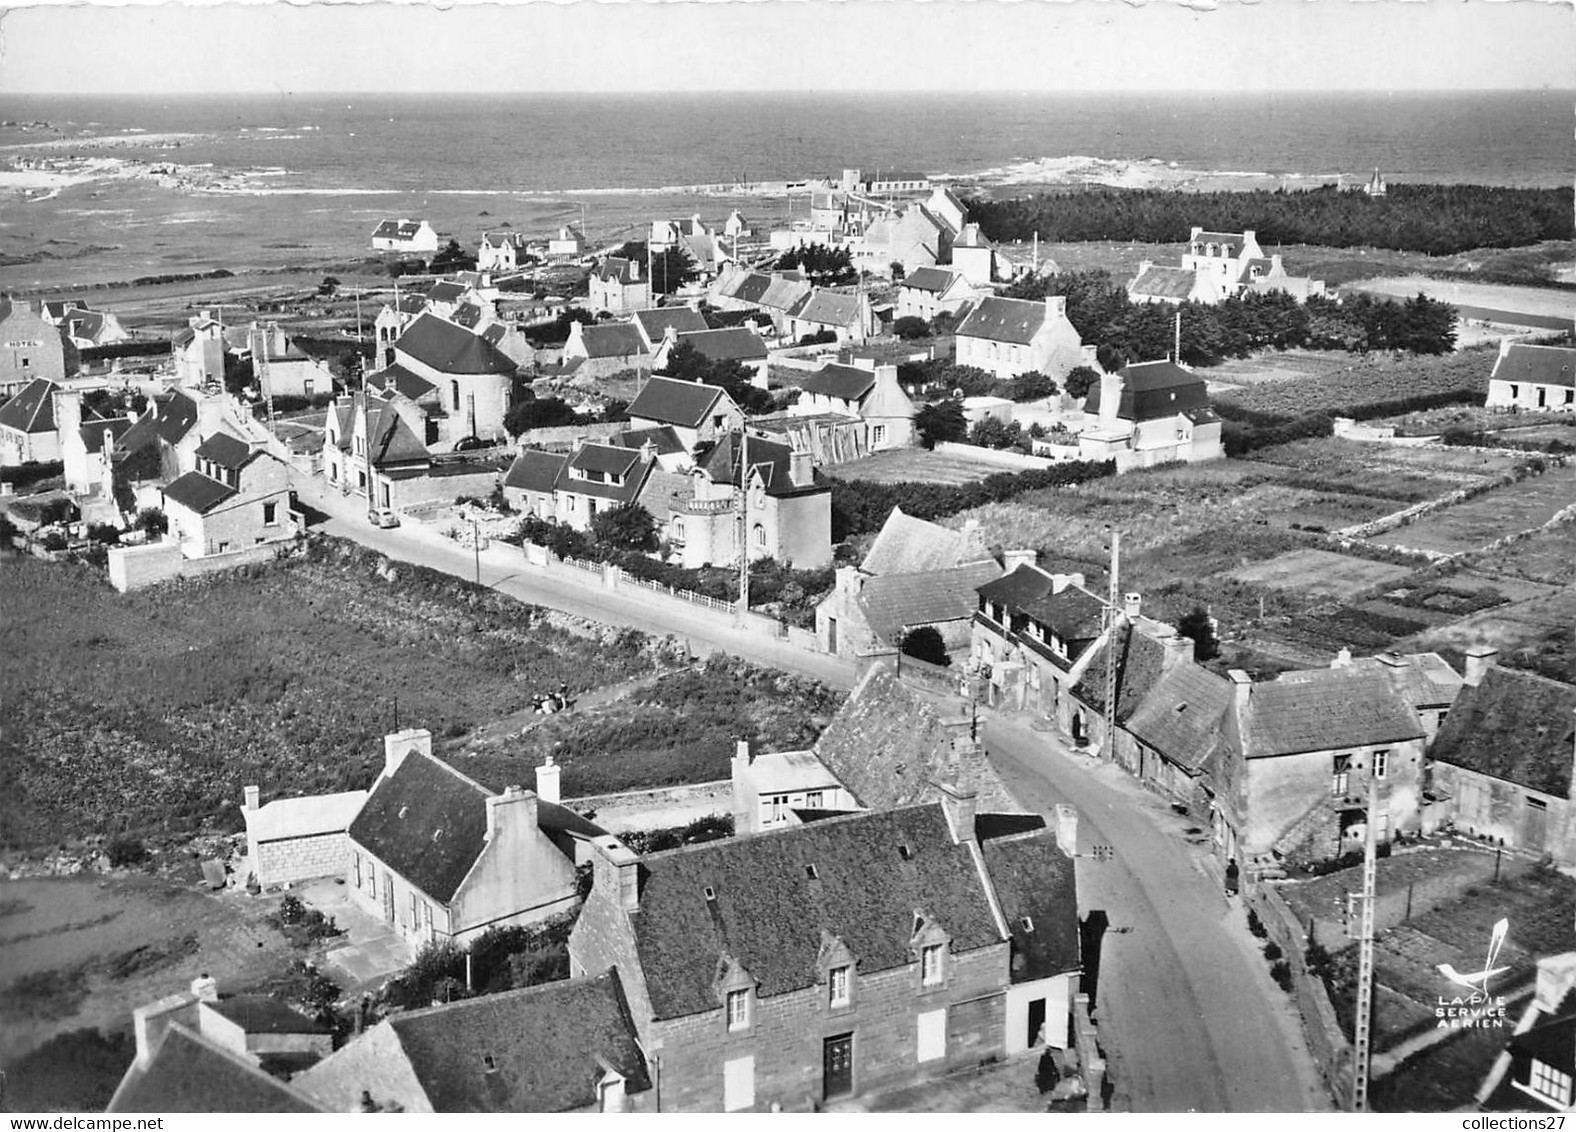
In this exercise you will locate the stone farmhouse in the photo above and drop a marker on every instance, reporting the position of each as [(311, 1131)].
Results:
[(773, 294), (30, 346), (1157, 283), (654, 323), (1228, 257), (912, 239), (28, 433), (848, 317), (1533, 378), (931, 291), (283, 369), (404, 236), (1150, 413), (767, 789), (501, 251), (697, 413), (199, 351), (604, 349), (1008, 337), (725, 344)]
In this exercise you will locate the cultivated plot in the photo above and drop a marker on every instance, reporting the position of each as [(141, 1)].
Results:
[(1321, 572)]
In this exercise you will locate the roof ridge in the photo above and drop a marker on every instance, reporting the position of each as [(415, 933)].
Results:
[(500, 996), (462, 776), (789, 831)]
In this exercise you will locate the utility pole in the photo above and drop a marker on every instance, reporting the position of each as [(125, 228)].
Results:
[(476, 545), (1177, 355), (260, 370), (1113, 621), (744, 520), (1362, 1025)]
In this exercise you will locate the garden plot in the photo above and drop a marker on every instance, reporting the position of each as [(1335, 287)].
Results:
[(1549, 556), (1321, 572), (915, 465), (1516, 507), (1542, 624), (1407, 475), (1276, 366)]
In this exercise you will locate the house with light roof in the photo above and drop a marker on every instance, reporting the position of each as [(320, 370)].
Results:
[(1008, 337), (501, 251), (618, 286), (930, 291), (846, 316), (28, 433)]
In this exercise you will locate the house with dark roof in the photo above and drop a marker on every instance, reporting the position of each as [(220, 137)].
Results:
[(788, 517), (282, 369), (87, 447), (1008, 337), (1533, 377), (655, 322), (1150, 413), (30, 346), (404, 235), (597, 478), (916, 574), (801, 967), (473, 378), (773, 294), (737, 344), (374, 445), (604, 349), (697, 413), (27, 425), (1227, 258), (532, 480), (929, 291), (849, 317), (237, 497), (870, 393), (619, 286), (501, 251), (1503, 759), (1536, 1070), (438, 856), (1295, 758), (566, 1046), (86, 328)]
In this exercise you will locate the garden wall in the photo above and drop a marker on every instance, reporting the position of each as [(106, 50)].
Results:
[(134, 567), (562, 436), (663, 808)]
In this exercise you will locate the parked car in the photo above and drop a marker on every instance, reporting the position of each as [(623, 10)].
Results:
[(383, 517)]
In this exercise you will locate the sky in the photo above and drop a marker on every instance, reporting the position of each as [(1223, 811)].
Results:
[(636, 45)]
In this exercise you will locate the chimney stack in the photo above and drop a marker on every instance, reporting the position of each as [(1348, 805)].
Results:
[(1242, 687), (973, 541), (253, 796), (413, 740), (960, 803), (547, 781), (616, 873), (1480, 659), (512, 797), (1022, 556), (1343, 658), (149, 1022), (801, 469), (206, 988)]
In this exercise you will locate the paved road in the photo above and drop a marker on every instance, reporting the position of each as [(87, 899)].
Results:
[(503, 567), (1184, 998)]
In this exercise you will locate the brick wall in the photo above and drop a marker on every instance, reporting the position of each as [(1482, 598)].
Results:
[(301, 858)]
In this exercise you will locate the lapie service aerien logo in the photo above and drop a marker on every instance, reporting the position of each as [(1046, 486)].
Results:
[(1475, 1008)]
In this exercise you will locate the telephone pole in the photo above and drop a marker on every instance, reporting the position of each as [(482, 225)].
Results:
[(1113, 621), (744, 520), (1362, 1025)]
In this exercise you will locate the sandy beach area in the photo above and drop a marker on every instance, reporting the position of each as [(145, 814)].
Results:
[(1076, 170)]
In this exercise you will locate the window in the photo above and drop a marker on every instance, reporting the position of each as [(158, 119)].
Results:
[(1343, 766), (930, 960), (738, 1010), (415, 911), (355, 861), (1381, 763), (738, 1084), (372, 882), (718, 421), (933, 1035), (454, 392), (1515, 391), (1550, 1082), (676, 530), (814, 799), (838, 990), (777, 808), (1536, 803), (759, 535), (270, 516), (878, 434)]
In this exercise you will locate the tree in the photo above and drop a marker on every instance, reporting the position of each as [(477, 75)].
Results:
[(1080, 379), (910, 326), (453, 258), (671, 268), (925, 643), (1032, 386), (941, 421), (152, 521), (629, 526), (328, 286), (1201, 628), (545, 412)]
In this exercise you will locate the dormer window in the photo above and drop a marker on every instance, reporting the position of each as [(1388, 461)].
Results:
[(932, 959), (738, 1010)]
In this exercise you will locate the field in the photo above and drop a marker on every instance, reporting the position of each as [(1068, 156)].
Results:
[(1548, 304), (1548, 556), (1367, 380), (1273, 366), (1320, 572), (916, 465), (1481, 520), (149, 712), (1406, 475)]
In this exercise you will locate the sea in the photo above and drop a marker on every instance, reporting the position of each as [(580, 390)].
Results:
[(308, 175)]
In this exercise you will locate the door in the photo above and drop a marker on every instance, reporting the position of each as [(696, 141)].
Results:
[(837, 1066), (1537, 824), (388, 897), (831, 635), (1036, 1022)]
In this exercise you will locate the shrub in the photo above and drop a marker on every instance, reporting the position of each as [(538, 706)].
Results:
[(22, 475), (925, 643), (909, 327), (1280, 971), (1317, 959), (125, 851), (153, 521), (1272, 951), (1256, 925), (1046, 1074), (105, 533)]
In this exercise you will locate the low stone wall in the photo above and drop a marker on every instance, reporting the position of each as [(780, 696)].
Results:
[(563, 436), (442, 489), (1016, 461)]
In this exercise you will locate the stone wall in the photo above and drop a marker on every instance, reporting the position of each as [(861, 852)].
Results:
[(293, 859), (133, 567)]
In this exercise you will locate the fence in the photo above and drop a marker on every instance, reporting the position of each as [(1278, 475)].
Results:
[(683, 595)]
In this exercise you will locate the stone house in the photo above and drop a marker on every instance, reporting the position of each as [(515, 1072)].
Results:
[(1229, 258), (157, 448), (198, 351), (1503, 759), (437, 856), (474, 379), (596, 478), (930, 291), (976, 259), (532, 480), (1007, 337), (500, 251), (372, 446), (849, 317), (87, 447), (654, 323), (1169, 713), (283, 369), (1157, 283), (697, 413), (727, 344), (871, 394), (797, 968), (774, 293), (237, 497), (1150, 413), (567, 1046), (1270, 276), (85, 328), (296, 839), (404, 236), (30, 346), (1533, 377), (28, 433), (390, 323), (604, 349), (1535, 1071), (768, 789), (912, 239), (618, 287), (915, 574)]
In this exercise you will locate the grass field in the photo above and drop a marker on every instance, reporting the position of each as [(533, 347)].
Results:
[(1321, 572), (915, 465), (1548, 556), (1368, 380), (1485, 518)]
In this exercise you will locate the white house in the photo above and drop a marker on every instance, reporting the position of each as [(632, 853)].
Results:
[(404, 236), (282, 369), (1151, 413), (931, 291), (1008, 337), (1533, 377), (1227, 257), (618, 287), (500, 251), (871, 394)]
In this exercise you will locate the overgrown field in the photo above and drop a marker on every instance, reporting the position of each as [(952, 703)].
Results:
[(1373, 380), (916, 465), (1483, 519), (149, 712)]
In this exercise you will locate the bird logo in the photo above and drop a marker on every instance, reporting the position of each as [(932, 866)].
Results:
[(1477, 981)]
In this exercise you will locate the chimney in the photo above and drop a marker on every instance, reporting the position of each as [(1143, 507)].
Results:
[(1110, 398), (1479, 660), (253, 796), (634, 270), (68, 411), (1024, 556), (743, 800), (973, 540), (801, 469), (1131, 604), (1067, 828), (1343, 658), (1242, 687), (849, 580), (402, 743), (547, 781), (959, 802), (1055, 306), (648, 450), (1143, 266), (149, 1022), (616, 873), (205, 988), (512, 797), (1177, 647)]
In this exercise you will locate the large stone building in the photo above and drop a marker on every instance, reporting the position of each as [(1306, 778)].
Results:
[(30, 346)]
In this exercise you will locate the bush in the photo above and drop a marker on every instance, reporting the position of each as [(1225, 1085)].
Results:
[(925, 643), (909, 327), (23, 475), (1317, 959), (105, 533), (124, 851), (1272, 951), (53, 540), (153, 521), (1280, 971), (1256, 925)]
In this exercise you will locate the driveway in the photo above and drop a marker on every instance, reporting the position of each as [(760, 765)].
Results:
[(1184, 1000), (503, 567)]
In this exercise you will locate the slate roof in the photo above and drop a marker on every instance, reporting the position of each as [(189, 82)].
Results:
[(1551, 1039), (1538, 365), (187, 1073), (445, 291), (607, 459), (1325, 709), (393, 442), (1140, 659), (663, 436), (1514, 726), (1153, 391), (784, 290), (397, 229), (1015, 590), (1425, 678), (402, 380), (469, 315), (198, 493), (889, 747), (932, 279), (1038, 892), (751, 287), (847, 383), (534, 470), (655, 321), (92, 432), (667, 401), (772, 461), (906, 545), (1016, 321), (1165, 282), (448, 348), (827, 308), (1234, 239), (32, 409), (427, 822), (894, 601), (770, 918), (729, 344), (259, 1014), (1182, 715), (225, 450), (1074, 613), (612, 340), (617, 269), (546, 1043)]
